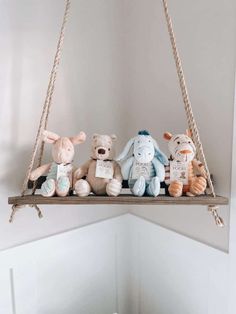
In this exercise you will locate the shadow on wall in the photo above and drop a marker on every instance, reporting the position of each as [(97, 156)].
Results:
[(16, 164), (96, 106), (12, 153)]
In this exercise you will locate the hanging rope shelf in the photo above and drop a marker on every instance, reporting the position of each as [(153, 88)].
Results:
[(32, 200)]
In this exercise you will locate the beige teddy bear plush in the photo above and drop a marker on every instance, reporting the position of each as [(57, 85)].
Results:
[(102, 173)]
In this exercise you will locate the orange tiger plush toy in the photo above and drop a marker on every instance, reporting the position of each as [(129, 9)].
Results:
[(185, 174)]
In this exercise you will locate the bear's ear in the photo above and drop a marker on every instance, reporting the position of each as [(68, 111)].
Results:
[(95, 135), (113, 137), (50, 137), (189, 133), (167, 136)]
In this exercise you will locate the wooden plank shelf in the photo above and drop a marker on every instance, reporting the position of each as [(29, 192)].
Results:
[(125, 184), (125, 199)]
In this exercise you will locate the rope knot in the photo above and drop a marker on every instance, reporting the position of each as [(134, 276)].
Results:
[(218, 220), (16, 207)]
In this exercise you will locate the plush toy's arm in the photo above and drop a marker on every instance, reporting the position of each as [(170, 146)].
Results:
[(159, 169), (117, 172), (36, 173), (81, 171), (199, 167), (126, 167)]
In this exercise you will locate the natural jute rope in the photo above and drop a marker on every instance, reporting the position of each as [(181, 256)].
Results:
[(48, 102), (45, 112), (189, 112)]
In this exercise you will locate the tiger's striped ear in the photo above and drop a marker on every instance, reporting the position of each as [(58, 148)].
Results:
[(189, 133), (167, 136)]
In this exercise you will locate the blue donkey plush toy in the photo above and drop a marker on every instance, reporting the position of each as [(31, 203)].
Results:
[(143, 164)]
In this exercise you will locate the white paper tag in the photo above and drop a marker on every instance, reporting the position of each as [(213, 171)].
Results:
[(141, 169), (179, 171), (64, 170), (104, 169)]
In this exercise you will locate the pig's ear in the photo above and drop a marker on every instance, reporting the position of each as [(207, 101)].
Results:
[(167, 136), (78, 139), (189, 133), (50, 137)]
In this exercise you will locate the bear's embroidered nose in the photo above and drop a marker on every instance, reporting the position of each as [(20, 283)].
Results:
[(101, 151)]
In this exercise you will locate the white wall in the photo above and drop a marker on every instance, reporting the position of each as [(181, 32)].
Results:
[(82, 271), (232, 237), (125, 265), (205, 32), (88, 97), (172, 274), (117, 75)]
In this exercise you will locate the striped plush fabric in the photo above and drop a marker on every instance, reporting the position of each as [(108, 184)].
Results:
[(182, 150), (167, 175)]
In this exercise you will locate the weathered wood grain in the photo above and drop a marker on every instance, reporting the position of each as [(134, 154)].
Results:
[(121, 199)]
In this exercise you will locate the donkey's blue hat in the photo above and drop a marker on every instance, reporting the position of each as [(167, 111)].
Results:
[(143, 132)]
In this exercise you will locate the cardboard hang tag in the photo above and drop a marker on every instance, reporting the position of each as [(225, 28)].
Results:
[(104, 169), (64, 170), (142, 169), (179, 171)]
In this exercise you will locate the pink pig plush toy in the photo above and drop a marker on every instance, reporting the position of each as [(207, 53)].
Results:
[(59, 172)]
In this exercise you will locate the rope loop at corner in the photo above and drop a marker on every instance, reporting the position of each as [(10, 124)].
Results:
[(218, 220), (16, 207)]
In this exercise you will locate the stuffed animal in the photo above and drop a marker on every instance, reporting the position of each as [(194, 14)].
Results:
[(144, 169), (185, 175), (59, 177), (102, 173)]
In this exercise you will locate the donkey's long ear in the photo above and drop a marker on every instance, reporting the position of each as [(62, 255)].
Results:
[(78, 139), (50, 137), (126, 150), (159, 154)]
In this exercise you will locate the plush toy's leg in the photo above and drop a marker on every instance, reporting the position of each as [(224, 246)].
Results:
[(82, 188), (153, 188), (198, 185), (190, 194), (63, 186), (139, 187), (113, 188), (48, 188), (176, 189)]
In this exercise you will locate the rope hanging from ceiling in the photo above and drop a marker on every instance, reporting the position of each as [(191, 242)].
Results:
[(38, 148)]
